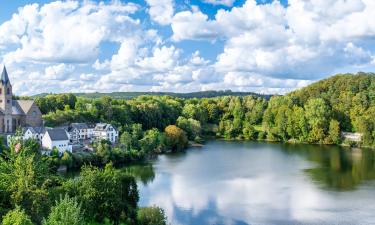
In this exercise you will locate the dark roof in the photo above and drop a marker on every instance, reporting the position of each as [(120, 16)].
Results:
[(38, 130), (57, 134), (79, 125), (103, 126), (4, 76)]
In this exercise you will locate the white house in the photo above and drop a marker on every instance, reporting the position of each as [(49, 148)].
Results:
[(355, 137), (105, 131), (79, 132), (34, 133), (58, 138)]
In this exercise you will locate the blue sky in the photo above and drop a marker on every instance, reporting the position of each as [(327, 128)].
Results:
[(183, 45)]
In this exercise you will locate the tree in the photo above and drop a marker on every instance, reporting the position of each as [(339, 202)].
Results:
[(151, 142), (191, 126), (334, 133), (16, 217), (175, 138), (105, 193), (249, 132), (151, 216), (67, 211)]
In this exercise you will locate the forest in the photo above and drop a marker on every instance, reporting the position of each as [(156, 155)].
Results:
[(31, 191), (314, 114)]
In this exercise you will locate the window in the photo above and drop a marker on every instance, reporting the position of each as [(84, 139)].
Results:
[(8, 91), (1, 91), (34, 113), (8, 101)]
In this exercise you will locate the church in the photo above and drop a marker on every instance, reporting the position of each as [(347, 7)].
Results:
[(16, 113)]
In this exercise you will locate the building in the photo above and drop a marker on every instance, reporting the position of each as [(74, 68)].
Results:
[(105, 131), (36, 133), (16, 113), (355, 137), (79, 132), (56, 138)]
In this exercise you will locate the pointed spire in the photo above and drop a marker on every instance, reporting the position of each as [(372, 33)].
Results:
[(4, 76)]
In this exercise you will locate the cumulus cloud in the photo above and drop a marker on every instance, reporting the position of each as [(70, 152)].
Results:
[(268, 48), (66, 31), (306, 40), (161, 11), (220, 2)]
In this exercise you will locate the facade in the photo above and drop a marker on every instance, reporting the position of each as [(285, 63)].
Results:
[(105, 131), (36, 133), (79, 132), (16, 113), (56, 138)]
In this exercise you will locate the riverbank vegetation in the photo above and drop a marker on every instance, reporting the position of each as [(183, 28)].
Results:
[(31, 192), (314, 114)]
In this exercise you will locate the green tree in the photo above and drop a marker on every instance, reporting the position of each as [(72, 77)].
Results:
[(151, 216), (16, 217), (105, 193), (175, 138), (334, 133), (67, 211)]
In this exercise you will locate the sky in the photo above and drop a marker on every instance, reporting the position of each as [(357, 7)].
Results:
[(263, 46)]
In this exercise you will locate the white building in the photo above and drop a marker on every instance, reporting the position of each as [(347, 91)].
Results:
[(79, 132), (56, 138), (34, 133), (105, 131)]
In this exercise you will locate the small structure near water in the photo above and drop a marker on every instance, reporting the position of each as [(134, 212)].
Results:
[(353, 137)]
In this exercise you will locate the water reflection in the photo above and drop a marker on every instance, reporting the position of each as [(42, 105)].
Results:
[(144, 172), (337, 168), (257, 183)]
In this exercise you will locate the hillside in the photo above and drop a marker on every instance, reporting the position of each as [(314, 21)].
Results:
[(349, 96), (200, 94)]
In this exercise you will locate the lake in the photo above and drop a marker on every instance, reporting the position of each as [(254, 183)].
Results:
[(239, 183)]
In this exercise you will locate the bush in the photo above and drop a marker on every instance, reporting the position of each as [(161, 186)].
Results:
[(66, 212), (151, 216), (16, 217)]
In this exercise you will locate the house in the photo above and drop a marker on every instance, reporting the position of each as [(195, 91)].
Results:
[(36, 133), (78, 132), (16, 113), (355, 137), (105, 131), (56, 138)]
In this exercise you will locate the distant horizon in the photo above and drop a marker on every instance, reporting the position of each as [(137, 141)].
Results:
[(260, 46)]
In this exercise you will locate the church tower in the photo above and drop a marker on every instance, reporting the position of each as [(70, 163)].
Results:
[(5, 93), (6, 101)]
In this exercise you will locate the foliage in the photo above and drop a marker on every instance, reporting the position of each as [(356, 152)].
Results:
[(175, 138), (16, 217), (151, 215), (105, 193), (67, 211)]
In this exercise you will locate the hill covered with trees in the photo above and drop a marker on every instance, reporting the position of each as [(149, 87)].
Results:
[(314, 114)]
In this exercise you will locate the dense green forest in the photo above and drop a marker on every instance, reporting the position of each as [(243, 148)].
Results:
[(314, 114)]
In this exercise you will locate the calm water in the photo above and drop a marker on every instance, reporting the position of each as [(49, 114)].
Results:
[(260, 183)]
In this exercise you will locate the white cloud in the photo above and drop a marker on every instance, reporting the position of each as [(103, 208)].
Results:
[(306, 40), (262, 47), (58, 72), (161, 11), (67, 31), (220, 2)]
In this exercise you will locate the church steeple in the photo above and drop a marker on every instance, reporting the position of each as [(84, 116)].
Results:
[(4, 76)]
